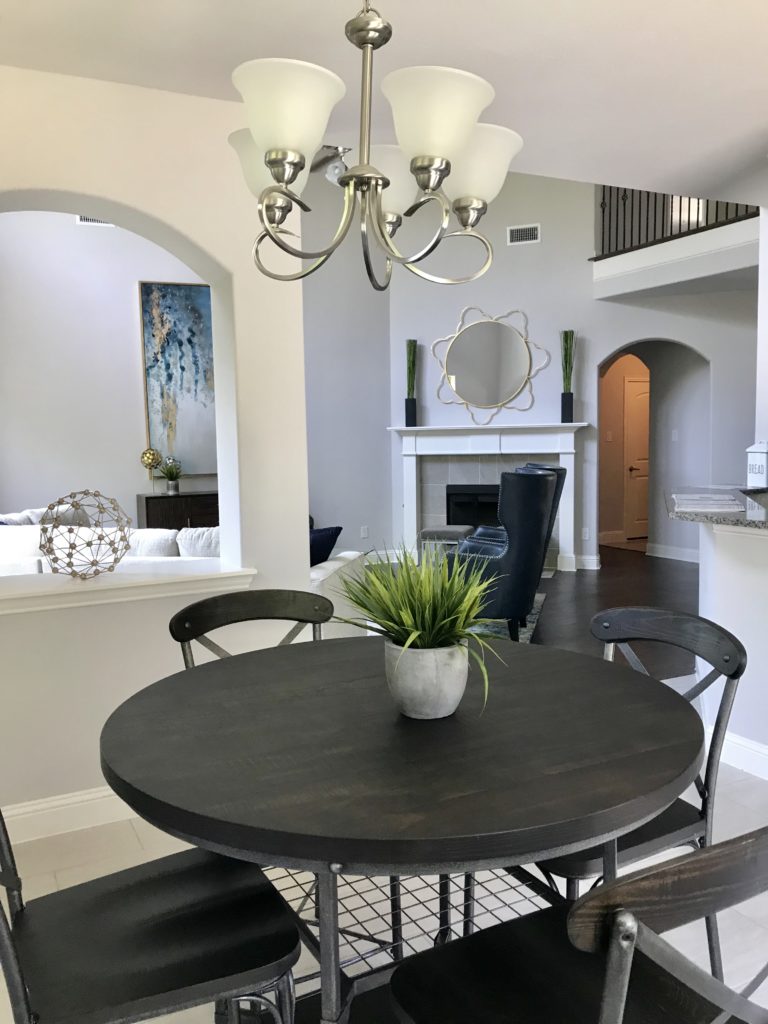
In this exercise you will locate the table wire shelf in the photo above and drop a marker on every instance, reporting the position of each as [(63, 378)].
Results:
[(366, 941)]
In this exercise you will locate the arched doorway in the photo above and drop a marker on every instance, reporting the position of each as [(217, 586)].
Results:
[(654, 431), (218, 278)]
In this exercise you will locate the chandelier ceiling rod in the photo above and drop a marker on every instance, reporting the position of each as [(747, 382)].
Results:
[(382, 196)]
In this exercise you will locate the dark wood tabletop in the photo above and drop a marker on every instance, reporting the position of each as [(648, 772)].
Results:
[(297, 756)]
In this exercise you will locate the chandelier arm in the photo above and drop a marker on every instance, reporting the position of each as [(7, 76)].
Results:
[(367, 214), (275, 233), (297, 275), (458, 280), (389, 246)]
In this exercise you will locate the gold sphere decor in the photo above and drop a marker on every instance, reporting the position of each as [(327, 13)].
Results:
[(151, 458), (84, 534)]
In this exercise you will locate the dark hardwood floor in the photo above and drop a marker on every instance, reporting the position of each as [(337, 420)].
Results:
[(626, 578)]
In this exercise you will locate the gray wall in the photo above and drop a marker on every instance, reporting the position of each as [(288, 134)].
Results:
[(71, 387), (680, 442), (346, 357), (552, 282)]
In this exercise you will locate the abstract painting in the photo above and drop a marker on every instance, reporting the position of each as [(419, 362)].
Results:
[(178, 373)]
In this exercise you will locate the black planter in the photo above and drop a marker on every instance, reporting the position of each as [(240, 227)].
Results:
[(410, 412), (566, 407)]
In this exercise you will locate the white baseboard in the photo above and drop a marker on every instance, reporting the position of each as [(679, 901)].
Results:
[(612, 537), (745, 754), (69, 812), (588, 561), (670, 551)]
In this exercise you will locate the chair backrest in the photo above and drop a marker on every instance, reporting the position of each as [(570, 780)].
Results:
[(525, 500), (628, 915), (561, 473), (619, 627), (297, 606), (14, 979)]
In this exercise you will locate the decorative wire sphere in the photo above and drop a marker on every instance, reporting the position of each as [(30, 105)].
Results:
[(151, 458), (84, 534), (171, 462)]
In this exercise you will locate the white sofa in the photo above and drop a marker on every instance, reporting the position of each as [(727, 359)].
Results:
[(20, 548), (325, 579)]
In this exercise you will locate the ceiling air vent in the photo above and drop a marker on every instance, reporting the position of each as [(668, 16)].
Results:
[(524, 234), (93, 222)]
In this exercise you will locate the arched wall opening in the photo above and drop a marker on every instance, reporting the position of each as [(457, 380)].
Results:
[(675, 382), (207, 270)]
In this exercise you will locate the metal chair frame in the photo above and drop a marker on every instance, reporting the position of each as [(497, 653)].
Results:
[(618, 628), (612, 923), (280, 1007), (196, 620), (633, 911)]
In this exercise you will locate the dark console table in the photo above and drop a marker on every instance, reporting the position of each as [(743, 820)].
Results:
[(175, 511)]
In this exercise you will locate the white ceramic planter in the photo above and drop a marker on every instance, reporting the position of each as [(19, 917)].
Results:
[(426, 683)]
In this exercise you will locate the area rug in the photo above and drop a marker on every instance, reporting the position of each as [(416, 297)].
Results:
[(499, 626)]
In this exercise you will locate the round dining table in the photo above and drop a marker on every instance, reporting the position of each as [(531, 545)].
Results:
[(296, 756)]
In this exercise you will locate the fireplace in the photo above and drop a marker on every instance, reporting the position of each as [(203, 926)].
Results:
[(471, 504)]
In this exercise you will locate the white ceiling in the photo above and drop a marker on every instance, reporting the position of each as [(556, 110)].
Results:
[(664, 94)]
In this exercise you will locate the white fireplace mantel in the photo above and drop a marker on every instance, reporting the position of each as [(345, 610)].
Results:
[(503, 439)]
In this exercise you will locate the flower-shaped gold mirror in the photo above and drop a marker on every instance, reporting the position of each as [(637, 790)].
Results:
[(488, 364)]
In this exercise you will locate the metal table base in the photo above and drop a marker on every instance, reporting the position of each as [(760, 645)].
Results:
[(347, 922)]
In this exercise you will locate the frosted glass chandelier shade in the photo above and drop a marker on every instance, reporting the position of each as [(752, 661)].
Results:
[(402, 190), (481, 170), (435, 109), (287, 103), (256, 173)]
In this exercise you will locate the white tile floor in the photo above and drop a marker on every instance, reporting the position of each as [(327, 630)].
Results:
[(49, 864)]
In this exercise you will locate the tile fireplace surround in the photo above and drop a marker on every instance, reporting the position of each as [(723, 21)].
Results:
[(436, 456)]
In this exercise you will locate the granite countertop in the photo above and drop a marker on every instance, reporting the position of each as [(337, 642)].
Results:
[(747, 506)]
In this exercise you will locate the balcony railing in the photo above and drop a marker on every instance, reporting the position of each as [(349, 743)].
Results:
[(630, 219)]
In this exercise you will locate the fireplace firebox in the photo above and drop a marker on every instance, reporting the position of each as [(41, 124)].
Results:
[(471, 504)]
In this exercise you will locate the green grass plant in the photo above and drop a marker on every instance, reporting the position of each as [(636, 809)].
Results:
[(436, 603)]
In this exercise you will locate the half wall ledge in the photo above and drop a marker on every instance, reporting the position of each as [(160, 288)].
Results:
[(46, 592)]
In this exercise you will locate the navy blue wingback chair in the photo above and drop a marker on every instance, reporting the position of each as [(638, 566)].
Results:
[(525, 506), (496, 533)]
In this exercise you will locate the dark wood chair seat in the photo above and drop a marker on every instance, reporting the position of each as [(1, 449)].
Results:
[(175, 932), (682, 824), (527, 972)]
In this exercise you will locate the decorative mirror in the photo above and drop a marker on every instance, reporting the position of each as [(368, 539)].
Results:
[(488, 364)]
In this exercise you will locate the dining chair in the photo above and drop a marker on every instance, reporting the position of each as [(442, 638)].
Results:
[(683, 823), (187, 929), (602, 960), (297, 606)]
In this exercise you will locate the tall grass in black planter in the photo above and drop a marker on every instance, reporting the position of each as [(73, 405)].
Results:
[(567, 346), (411, 353)]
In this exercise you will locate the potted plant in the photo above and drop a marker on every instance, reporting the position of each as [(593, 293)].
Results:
[(170, 468), (430, 616), (567, 345), (411, 351)]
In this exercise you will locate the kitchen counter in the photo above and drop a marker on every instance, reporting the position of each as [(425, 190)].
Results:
[(748, 507)]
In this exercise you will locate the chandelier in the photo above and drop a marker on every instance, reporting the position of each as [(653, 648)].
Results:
[(444, 157)]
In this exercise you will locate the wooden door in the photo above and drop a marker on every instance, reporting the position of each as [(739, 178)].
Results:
[(636, 445)]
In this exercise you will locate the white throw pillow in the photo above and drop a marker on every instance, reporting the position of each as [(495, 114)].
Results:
[(153, 543), (199, 542), (28, 517)]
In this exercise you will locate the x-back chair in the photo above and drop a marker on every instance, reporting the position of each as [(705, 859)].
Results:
[(177, 932), (601, 960), (196, 620), (681, 824)]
